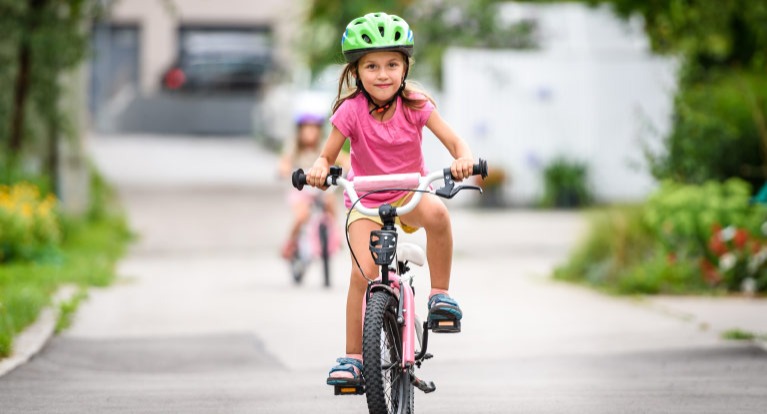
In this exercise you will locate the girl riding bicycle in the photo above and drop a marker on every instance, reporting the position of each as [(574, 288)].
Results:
[(303, 150), (382, 117)]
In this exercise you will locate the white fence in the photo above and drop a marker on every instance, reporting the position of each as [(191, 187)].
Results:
[(592, 93)]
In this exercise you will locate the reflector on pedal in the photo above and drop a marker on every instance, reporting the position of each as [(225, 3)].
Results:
[(349, 390), (445, 325)]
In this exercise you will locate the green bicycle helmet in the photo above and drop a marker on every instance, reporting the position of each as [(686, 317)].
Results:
[(375, 32)]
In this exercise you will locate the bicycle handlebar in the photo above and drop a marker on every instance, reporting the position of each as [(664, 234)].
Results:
[(393, 181)]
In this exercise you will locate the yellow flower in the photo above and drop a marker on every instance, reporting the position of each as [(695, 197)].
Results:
[(26, 210)]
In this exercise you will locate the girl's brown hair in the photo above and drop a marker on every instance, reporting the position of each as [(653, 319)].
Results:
[(352, 88)]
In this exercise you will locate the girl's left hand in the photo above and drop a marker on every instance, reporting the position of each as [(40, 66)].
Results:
[(462, 168)]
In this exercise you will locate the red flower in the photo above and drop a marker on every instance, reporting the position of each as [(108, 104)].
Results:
[(716, 245), (710, 272), (741, 237)]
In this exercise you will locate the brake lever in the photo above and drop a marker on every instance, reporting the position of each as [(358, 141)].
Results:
[(450, 189)]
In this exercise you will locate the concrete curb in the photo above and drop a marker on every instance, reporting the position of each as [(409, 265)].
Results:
[(34, 338)]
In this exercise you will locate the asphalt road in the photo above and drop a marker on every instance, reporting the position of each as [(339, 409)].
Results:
[(204, 318)]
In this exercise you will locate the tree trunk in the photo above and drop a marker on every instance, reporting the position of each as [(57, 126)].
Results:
[(23, 78), (20, 95), (53, 157)]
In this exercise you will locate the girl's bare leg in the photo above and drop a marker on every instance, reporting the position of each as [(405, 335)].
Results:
[(432, 215), (359, 236)]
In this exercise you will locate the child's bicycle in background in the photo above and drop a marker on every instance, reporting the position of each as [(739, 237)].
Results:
[(319, 238), (391, 326)]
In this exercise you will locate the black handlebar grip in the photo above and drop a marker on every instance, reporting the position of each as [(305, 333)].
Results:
[(480, 168), (299, 179)]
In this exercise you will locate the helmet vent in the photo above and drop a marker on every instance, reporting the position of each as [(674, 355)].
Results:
[(381, 30), (397, 35), (366, 38)]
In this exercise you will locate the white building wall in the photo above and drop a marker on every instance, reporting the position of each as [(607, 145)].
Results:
[(590, 93)]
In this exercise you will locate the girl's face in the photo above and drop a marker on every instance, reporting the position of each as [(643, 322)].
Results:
[(381, 74), (309, 135)]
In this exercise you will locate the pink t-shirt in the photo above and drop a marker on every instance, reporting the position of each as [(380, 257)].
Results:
[(389, 147)]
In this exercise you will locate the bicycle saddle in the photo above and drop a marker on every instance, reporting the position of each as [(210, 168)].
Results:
[(411, 253)]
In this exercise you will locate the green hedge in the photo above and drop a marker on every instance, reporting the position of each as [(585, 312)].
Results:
[(684, 239), (716, 131)]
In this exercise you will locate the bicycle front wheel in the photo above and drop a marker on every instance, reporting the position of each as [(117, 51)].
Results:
[(387, 386)]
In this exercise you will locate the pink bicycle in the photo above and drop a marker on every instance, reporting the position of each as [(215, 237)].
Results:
[(391, 326), (319, 238)]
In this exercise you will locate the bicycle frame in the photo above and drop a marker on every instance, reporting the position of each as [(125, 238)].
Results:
[(390, 281)]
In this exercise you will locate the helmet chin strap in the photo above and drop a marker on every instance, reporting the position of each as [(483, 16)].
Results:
[(380, 108)]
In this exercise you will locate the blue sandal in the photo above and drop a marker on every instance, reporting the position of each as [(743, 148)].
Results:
[(350, 365), (444, 314)]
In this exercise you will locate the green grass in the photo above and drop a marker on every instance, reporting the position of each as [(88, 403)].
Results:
[(68, 308), (87, 257), (741, 335)]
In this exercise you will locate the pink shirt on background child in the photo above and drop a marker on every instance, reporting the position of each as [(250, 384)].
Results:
[(388, 147)]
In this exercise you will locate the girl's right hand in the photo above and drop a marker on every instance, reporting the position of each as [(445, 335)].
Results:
[(318, 174)]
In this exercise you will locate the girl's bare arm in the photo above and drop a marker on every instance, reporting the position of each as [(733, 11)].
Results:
[(464, 160), (317, 175)]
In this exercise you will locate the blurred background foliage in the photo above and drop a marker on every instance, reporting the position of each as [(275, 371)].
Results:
[(566, 184), (40, 41)]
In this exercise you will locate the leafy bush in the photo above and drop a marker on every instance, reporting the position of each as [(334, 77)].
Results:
[(686, 238), (716, 133), (29, 225), (618, 240), (565, 184), (684, 215)]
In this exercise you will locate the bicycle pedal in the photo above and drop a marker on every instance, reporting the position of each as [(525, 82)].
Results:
[(428, 356), (445, 325), (422, 385), (349, 389)]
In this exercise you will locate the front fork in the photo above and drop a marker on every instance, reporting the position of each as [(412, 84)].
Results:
[(383, 247), (412, 329)]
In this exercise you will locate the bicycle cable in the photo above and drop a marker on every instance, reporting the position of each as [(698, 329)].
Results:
[(349, 213)]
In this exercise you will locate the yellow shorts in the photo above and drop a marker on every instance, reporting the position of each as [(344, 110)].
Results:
[(356, 215)]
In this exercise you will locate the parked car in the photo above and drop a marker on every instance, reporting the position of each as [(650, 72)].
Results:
[(218, 61), (215, 73)]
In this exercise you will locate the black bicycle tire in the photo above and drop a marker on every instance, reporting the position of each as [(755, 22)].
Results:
[(297, 270), (381, 313), (325, 252)]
